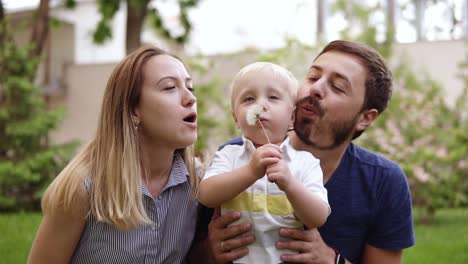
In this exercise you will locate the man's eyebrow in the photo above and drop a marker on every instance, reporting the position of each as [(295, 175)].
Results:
[(316, 67), (341, 76)]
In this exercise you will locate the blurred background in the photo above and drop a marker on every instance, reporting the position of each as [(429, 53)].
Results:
[(56, 57)]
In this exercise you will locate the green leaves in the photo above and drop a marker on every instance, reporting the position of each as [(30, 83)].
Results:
[(28, 161)]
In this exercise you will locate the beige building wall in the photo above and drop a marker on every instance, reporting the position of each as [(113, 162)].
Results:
[(82, 101), (58, 51), (86, 83), (439, 60)]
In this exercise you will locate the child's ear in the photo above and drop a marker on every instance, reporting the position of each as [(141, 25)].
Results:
[(235, 119), (293, 117)]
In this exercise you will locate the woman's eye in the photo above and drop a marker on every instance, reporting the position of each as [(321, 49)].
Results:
[(170, 87)]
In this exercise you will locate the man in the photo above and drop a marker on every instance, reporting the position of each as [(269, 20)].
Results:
[(346, 88)]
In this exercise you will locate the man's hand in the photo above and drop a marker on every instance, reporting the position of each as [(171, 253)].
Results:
[(224, 242), (312, 249)]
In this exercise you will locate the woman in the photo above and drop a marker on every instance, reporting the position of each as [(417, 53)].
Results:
[(129, 195)]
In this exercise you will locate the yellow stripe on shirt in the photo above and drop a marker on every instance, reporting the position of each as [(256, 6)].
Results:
[(261, 203)]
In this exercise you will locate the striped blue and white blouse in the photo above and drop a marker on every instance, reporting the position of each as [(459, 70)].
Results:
[(167, 240)]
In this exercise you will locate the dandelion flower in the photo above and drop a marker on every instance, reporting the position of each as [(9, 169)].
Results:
[(253, 114)]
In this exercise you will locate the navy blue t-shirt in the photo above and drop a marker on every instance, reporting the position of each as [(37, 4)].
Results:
[(370, 203)]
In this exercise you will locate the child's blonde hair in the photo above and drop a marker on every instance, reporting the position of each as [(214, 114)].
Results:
[(269, 67), (111, 161)]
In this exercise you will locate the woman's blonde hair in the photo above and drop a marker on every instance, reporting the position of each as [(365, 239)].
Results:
[(112, 160)]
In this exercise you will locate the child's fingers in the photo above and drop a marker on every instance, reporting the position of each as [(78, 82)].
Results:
[(271, 152), (267, 162), (273, 177), (273, 146)]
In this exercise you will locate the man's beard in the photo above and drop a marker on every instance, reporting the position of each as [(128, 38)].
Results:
[(340, 130)]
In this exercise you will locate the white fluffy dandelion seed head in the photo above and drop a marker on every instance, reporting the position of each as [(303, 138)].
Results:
[(254, 113)]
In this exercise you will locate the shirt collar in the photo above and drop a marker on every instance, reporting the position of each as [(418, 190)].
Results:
[(179, 174), (287, 149)]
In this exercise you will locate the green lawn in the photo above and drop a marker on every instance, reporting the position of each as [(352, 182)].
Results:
[(446, 241), (16, 235)]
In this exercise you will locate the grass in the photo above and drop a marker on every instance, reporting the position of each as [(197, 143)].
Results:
[(17, 232), (445, 241)]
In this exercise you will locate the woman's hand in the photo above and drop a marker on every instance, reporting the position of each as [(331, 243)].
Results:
[(309, 244), (224, 242)]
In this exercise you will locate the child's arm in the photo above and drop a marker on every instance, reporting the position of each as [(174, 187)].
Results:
[(311, 210), (223, 187), (59, 232)]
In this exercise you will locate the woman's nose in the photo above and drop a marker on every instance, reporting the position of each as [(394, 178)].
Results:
[(189, 98)]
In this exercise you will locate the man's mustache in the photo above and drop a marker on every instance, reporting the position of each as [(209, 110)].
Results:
[(316, 107)]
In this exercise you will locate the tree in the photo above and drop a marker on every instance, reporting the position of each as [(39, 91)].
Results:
[(27, 160), (139, 11), (40, 30)]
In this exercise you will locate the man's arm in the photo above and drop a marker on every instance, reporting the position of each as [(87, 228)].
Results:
[(377, 255), (313, 250)]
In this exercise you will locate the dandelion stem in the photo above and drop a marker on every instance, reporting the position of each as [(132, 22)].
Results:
[(264, 131)]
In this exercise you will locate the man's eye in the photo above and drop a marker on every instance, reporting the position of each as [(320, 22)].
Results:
[(337, 88), (313, 79)]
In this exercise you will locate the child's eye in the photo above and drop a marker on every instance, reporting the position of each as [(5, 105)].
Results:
[(273, 97), (170, 87), (249, 99), (190, 89)]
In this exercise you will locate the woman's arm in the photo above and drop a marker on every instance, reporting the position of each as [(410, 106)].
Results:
[(59, 233)]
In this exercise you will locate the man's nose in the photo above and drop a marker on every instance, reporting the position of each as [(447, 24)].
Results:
[(318, 88)]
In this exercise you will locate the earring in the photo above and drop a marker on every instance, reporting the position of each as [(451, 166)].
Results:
[(136, 122)]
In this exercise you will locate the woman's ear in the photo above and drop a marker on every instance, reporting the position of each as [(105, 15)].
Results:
[(366, 118), (135, 116)]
